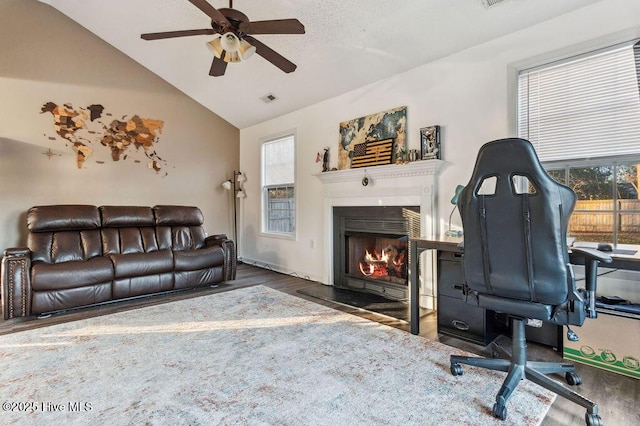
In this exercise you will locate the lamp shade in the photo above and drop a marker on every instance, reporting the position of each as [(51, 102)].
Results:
[(226, 185), (246, 50), (230, 42), (241, 177), (241, 194), (459, 189), (215, 46)]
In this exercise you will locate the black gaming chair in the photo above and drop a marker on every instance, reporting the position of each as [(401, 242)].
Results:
[(515, 220)]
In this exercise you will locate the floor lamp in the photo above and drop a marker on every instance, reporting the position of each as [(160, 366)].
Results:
[(235, 185)]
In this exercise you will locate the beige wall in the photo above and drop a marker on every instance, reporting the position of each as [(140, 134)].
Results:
[(44, 56)]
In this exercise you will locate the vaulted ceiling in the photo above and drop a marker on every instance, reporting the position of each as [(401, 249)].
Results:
[(348, 43)]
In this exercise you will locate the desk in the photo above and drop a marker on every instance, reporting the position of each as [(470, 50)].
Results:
[(416, 247), (620, 261), (456, 318), (450, 245)]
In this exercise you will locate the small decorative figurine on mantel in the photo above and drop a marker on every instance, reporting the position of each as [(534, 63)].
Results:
[(324, 158)]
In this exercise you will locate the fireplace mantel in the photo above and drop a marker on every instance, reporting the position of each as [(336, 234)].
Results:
[(412, 184), (391, 171)]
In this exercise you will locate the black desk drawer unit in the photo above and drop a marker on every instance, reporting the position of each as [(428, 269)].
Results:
[(455, 317)]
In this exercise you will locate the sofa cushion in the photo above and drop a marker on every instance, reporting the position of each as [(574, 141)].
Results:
[(56, 276), (63, 218), (126, 216), (139, 264), (147, 284), (192, 260), (129, 240), (57, 247), (178, 216), (54, 300)]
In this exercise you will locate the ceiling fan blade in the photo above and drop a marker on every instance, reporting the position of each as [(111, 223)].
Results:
[(218, 66), (272, 56), (172, 34), (211, 12), (275, 26)]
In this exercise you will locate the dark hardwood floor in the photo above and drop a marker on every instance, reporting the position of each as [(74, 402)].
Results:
[(618, 396)]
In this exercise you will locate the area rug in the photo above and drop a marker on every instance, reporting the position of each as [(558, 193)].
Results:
[(252, 356)]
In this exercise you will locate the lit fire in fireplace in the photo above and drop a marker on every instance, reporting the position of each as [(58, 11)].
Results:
[(388, 263)]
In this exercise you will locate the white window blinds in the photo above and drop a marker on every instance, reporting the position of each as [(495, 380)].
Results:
[(278, 161), (584, 107)]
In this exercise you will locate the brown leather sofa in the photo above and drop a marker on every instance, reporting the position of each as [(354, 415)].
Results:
[(80, 255)]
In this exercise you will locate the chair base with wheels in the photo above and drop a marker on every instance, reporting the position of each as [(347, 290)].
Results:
[(518, 368)]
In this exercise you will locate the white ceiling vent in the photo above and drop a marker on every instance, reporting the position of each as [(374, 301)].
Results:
[(267, 99), (488, 3)]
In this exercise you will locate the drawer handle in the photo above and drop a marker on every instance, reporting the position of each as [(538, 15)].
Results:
[(458, 287), (460, 325)]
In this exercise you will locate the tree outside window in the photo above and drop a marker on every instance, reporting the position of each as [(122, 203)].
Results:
[(278, 186), (608, 206)]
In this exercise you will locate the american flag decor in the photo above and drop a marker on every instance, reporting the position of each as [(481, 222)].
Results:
[(372, 153)]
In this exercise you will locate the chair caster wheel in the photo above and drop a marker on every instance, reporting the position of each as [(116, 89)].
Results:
[(573, 379), (456, 369), (593, 420), (500, 411)]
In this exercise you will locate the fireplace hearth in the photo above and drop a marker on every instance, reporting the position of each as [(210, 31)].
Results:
[(371, 248)]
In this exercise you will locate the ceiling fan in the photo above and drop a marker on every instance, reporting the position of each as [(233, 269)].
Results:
[(233, 40)]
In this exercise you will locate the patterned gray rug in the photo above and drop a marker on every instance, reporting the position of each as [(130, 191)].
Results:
[(252, 356)]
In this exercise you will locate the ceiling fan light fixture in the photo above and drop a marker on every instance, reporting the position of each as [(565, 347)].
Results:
[(246, 50), (230, 42), (215, 46), (232, 57)]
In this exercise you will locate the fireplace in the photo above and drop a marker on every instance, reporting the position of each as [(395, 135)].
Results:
[(391, 186), (371, 248)]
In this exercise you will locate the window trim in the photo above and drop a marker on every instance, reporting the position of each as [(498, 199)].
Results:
[(263, 188)]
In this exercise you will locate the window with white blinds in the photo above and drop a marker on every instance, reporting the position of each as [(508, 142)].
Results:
[(584, 107), (278, 186)]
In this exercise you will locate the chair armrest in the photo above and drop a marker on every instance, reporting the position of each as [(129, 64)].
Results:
[(229, 247), (592, 258), (591, 254), (15, 282)]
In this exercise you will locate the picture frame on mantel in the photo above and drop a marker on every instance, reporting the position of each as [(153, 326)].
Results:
[(430, 148)]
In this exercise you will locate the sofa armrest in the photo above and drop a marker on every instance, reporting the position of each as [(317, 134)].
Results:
[(15, 283), (230, 259)]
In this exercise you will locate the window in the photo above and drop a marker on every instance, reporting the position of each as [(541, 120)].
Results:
[(278, 186), (608, 207), (583, 116)]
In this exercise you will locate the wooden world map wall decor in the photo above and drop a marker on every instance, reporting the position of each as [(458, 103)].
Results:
[(373, 140), (83, 127)]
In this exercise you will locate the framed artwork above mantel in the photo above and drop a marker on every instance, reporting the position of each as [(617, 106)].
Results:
[(372, 140)]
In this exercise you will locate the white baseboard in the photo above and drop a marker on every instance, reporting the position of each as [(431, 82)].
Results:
[(281, 269)]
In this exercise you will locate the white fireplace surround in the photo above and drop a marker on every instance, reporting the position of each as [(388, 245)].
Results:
[(412, 184)]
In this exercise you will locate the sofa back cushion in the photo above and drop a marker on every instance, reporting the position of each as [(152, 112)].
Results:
[(128, 229), (179, 227), (63, 233)]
